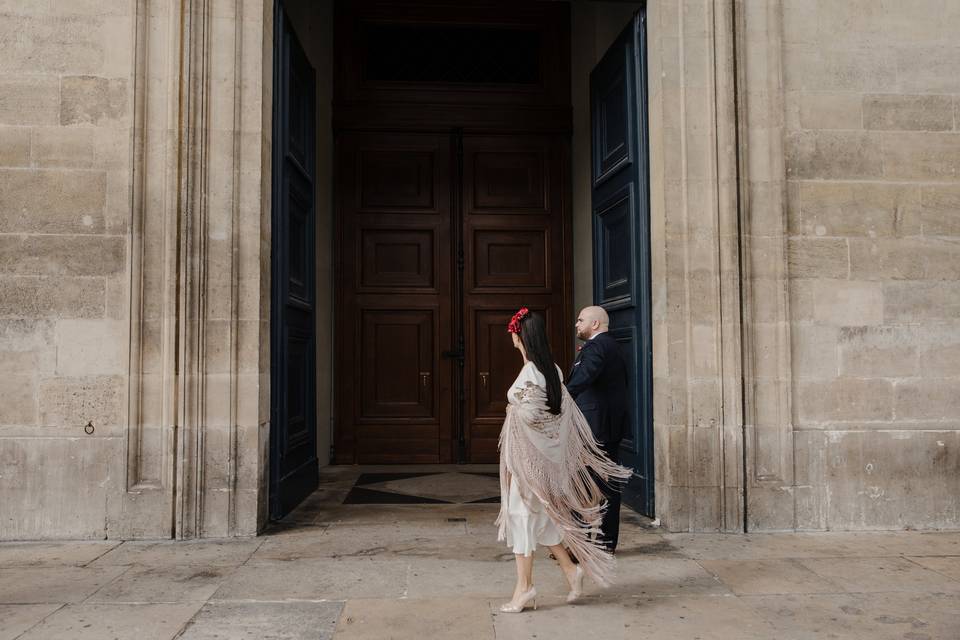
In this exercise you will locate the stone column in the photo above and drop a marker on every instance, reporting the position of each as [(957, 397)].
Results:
[(199, 397), (696, 265)]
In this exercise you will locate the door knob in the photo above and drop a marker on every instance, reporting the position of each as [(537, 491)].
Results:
[(483, 378), (424, 378)]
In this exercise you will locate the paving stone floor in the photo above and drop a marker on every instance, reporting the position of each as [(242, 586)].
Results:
[(382, 571)]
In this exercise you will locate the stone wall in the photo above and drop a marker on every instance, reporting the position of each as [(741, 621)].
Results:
[(134, 351), (66, 105), (872, 119)]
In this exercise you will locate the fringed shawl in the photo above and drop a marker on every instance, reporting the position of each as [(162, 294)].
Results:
[(551, 458)]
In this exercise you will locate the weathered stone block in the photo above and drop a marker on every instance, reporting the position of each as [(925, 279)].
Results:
[(818, 258), (844, 400), (801, 300), (941, 259), (833, 155), (29, 100), (86, 347), (92, 100), (707, 462), (830, 110), (19, 404), (928, 399), (61, 297), (908, 113), (62, 255), (814, 353), (14, 146), (63, 147), (52, 44), (921, 156), (917, 301), (61, 483), (848, 303), (940, 210), (940, 353), (845, 69), (878, 352), (866, 474), (52, 201), (927, 69), (23, 361), (72, 402), (856, 209), (887, 259)]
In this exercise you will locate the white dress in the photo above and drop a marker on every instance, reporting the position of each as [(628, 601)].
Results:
[(527, 524)]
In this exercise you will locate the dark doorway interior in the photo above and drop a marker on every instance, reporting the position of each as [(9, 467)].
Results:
[(294, 472), (452, 211), (621, 236)]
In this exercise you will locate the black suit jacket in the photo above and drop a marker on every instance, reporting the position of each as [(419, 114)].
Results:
[(598, 383)]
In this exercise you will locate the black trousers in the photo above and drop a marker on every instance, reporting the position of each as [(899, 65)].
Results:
[(611, 517)]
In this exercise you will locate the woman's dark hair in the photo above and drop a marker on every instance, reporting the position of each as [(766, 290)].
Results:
[(533, 334)]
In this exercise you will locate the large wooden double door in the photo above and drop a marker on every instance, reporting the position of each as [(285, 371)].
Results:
[(440, 238)]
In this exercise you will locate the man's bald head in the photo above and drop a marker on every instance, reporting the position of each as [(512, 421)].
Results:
[(591, 321)]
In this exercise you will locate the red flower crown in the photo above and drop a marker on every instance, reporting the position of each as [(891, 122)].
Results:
[(514, 326)]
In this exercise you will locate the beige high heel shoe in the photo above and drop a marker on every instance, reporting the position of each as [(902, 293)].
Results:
[(526, 597), (576, 589)]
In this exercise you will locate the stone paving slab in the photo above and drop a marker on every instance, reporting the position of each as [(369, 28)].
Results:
[(878, 616), (481, 515), (470, 578), (163, 584), (207, 553), (114, 621), (18, 554), (316, 579), (655, 576), (747, 577), (259, 620), (41, 585), (947, 566), (450, 618), (665, 618), (866, 575), (17, 618)]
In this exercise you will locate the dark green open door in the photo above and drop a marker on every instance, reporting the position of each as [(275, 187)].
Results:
[(294, 471), (621, 236)]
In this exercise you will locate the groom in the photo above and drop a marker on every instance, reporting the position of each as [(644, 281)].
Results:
[(598, 384)]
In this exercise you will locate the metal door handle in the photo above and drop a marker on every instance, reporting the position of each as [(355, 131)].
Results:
[(424, 378), (483, 378)]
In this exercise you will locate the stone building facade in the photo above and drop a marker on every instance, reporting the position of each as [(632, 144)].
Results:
[(804, 161)]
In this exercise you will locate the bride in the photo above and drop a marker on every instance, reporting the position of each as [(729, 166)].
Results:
[(548, 465)]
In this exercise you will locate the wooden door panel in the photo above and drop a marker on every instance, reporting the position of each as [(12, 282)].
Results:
[(397, 364), (511, 259), (506, 180), (392, 258), (397, 179), (393, 315), (515, 240), (616, 249)]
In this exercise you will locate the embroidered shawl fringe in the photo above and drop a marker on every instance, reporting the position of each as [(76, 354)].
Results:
[(552, 457)]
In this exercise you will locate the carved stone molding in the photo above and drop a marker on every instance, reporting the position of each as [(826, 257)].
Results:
[(153, 266), (763, 234), (696, 266), (195, 314)]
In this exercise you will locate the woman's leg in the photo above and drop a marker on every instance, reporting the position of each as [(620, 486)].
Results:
[(524, 575), (563, 559)]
